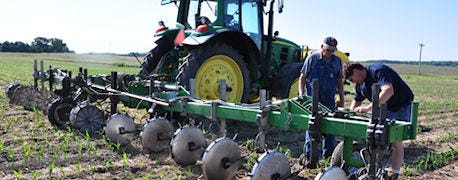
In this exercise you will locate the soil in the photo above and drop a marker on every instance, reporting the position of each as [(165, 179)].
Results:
[(67, 154)]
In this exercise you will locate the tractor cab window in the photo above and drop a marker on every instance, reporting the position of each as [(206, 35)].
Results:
[(231, 14), (200, 12), (250, 21)]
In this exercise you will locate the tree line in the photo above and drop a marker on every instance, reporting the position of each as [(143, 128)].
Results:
[(39, 45), (431, 63)]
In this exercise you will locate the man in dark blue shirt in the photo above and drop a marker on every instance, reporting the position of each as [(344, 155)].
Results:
[(394, 92)]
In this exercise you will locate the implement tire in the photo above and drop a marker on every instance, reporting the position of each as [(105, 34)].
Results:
[(337, 156), (286, 83)]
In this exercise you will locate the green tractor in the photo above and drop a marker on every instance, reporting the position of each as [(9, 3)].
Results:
[(225, 39)]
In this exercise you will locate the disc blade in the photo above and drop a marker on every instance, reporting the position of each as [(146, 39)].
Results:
[(157, 134), (25, 96), (332, 173), (188, 145), (120, 129), (43, 99), (221, 159), (85, 117), (271, 165)]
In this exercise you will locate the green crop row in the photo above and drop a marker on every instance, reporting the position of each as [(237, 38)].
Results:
[(433, 160)]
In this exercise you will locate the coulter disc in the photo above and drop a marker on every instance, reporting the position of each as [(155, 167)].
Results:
[(271, 165), (332, 173), (120, 129), (188, 145), (85, 117), (221, 159), (157, 134), (43, 99), (25, 96)]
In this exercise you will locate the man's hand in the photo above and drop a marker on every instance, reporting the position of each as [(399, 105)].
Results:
[(362, 109)]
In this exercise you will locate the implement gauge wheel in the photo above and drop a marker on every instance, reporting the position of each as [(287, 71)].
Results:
[(337, 156), (9, 90), (211, 63), (59, 113)]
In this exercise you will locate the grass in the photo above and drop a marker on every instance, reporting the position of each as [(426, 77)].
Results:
[(16, 64)]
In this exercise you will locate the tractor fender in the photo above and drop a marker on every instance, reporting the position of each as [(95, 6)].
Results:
[(238, 40), (168, 35)]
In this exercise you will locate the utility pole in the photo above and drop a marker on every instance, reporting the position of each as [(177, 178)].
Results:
[(419, 59)]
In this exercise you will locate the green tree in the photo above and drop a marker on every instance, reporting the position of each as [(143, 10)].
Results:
[(40, 44)]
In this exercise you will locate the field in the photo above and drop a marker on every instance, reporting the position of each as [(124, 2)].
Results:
[(31, 148)]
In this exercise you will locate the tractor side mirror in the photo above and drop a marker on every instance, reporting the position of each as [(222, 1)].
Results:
[(280, 6), (164, 2), (276, 33)]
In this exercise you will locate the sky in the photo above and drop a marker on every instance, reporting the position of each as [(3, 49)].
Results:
[(367, 29)]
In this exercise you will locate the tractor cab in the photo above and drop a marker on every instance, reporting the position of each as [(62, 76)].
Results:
[(206, 17)]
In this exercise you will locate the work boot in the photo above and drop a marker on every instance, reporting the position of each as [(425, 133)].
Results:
[(304, 159), (393, 176)]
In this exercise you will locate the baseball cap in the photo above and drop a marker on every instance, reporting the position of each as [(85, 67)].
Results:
[(331, 43)]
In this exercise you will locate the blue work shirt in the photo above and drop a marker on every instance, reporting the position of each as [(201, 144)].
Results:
[(382, 74), (326, 71)]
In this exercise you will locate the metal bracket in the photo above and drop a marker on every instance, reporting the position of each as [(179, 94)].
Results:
[(262, 120), (315, 125), (183, 103)]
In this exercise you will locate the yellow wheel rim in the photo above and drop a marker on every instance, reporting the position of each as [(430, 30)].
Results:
[(212, 71), (294, 90)]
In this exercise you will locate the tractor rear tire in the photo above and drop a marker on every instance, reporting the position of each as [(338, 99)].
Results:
[(211, 63), (286, 83)]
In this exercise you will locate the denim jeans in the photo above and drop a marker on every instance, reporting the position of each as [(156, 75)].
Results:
[(328, 143), (402, 114)]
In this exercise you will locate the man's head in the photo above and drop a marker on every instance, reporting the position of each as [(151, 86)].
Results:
[(355, 72), (329, 46)]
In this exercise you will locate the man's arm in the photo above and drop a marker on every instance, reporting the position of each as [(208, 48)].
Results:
[(386, 93), (340, 91), (302, 81)]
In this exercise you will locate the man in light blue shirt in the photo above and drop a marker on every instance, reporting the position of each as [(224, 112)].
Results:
[(327, 68)]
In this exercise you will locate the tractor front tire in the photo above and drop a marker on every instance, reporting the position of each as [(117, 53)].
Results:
[(211, 63), (153, 57)]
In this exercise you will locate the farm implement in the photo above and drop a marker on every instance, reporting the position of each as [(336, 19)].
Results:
[(73, 106), (217, 63)]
